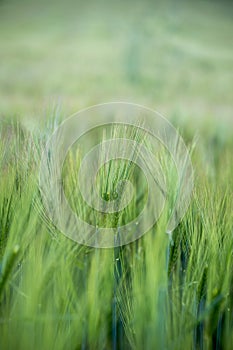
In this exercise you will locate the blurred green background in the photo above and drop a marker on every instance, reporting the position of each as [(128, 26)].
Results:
[(173, 56)]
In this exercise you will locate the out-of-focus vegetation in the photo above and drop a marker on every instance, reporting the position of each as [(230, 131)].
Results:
[(173, 56)]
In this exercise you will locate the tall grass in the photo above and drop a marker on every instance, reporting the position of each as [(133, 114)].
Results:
[(159, 292)]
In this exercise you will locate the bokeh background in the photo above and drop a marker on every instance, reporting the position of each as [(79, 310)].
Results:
[(173, 56)]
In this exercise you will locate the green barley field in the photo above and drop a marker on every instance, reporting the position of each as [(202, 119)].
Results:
[(161, 291)]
